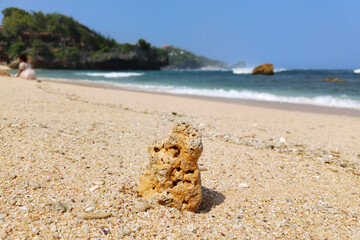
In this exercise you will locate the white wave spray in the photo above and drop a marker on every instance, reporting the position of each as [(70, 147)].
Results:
[(357, 70), (112, 74), (249, 70), (325, 101), (242, 70)]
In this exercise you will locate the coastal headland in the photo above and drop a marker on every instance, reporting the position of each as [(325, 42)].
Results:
[(57, 41), (69, 151)]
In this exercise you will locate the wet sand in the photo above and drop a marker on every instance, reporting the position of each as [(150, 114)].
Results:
[(263, 104), (268, 173)]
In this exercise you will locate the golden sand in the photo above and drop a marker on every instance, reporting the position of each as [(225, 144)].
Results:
[(71, 151)]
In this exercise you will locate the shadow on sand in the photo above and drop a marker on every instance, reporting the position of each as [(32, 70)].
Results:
[(211, 198)]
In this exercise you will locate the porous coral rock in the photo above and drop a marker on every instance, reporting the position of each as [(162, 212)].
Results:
[(172, 177)]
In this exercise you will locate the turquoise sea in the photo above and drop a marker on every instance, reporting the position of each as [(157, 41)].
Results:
[(285, 86)]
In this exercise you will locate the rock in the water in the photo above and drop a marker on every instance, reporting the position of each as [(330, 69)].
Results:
[(265, 69), (172, 177), (330, 79), (4, 73)]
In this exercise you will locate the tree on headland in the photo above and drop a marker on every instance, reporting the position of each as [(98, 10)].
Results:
[(56, 36), (143, 44), (183, 59), (49, 31)]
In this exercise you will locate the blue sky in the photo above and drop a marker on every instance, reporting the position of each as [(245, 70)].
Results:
[(290, 34)]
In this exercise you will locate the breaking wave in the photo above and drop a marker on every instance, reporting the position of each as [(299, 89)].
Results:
[(249, 70), (280, 70), (325, 101), (242, 70), (357, 70), (112, 74)]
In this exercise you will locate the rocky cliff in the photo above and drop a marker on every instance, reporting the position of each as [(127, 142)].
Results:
[(113, 60), (57, 41)]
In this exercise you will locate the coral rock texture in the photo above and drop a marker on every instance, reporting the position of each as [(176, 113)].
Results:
[(172, 177)]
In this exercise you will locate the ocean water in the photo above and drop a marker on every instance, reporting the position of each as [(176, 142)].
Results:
[(286, 86)]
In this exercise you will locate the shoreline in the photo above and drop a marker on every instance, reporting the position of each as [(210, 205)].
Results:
[(252, 103)]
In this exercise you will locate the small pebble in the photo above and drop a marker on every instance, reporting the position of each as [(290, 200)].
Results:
[(344, 165), (123, 232), (34, 185), (282, 140), (244, 185), (13, 176), (99, 182), (89, 209), (93, 188), (2, 217), (61, 206), (143, 207), (13, 201), (57, 236)]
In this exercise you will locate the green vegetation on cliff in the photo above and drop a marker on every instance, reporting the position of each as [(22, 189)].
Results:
[(58, 41), (183, 59), (59, 37)]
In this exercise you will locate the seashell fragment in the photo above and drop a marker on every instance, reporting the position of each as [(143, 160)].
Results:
[(91, 215)]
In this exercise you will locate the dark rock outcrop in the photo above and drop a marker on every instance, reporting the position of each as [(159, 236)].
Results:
[(265, 69), (14, 64), (331, 79), (113, 60)]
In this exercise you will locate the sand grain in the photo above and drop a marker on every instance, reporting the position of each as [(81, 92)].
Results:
[(270, 174)]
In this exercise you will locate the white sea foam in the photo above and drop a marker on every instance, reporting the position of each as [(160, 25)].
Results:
[(280, 70), (326, 101), (357, 70), (242, 70), (204, 69), (111, 74), (249, 70), (64, 79)]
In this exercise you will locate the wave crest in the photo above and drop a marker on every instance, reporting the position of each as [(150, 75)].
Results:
[(112, 74), (242, 70), (357, 70), (249, 70), (325, 101)]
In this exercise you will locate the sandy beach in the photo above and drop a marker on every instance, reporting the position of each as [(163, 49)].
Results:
[(4, 67), (267, 173)]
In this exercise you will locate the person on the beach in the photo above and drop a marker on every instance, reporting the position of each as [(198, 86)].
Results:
[(25, 69)]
